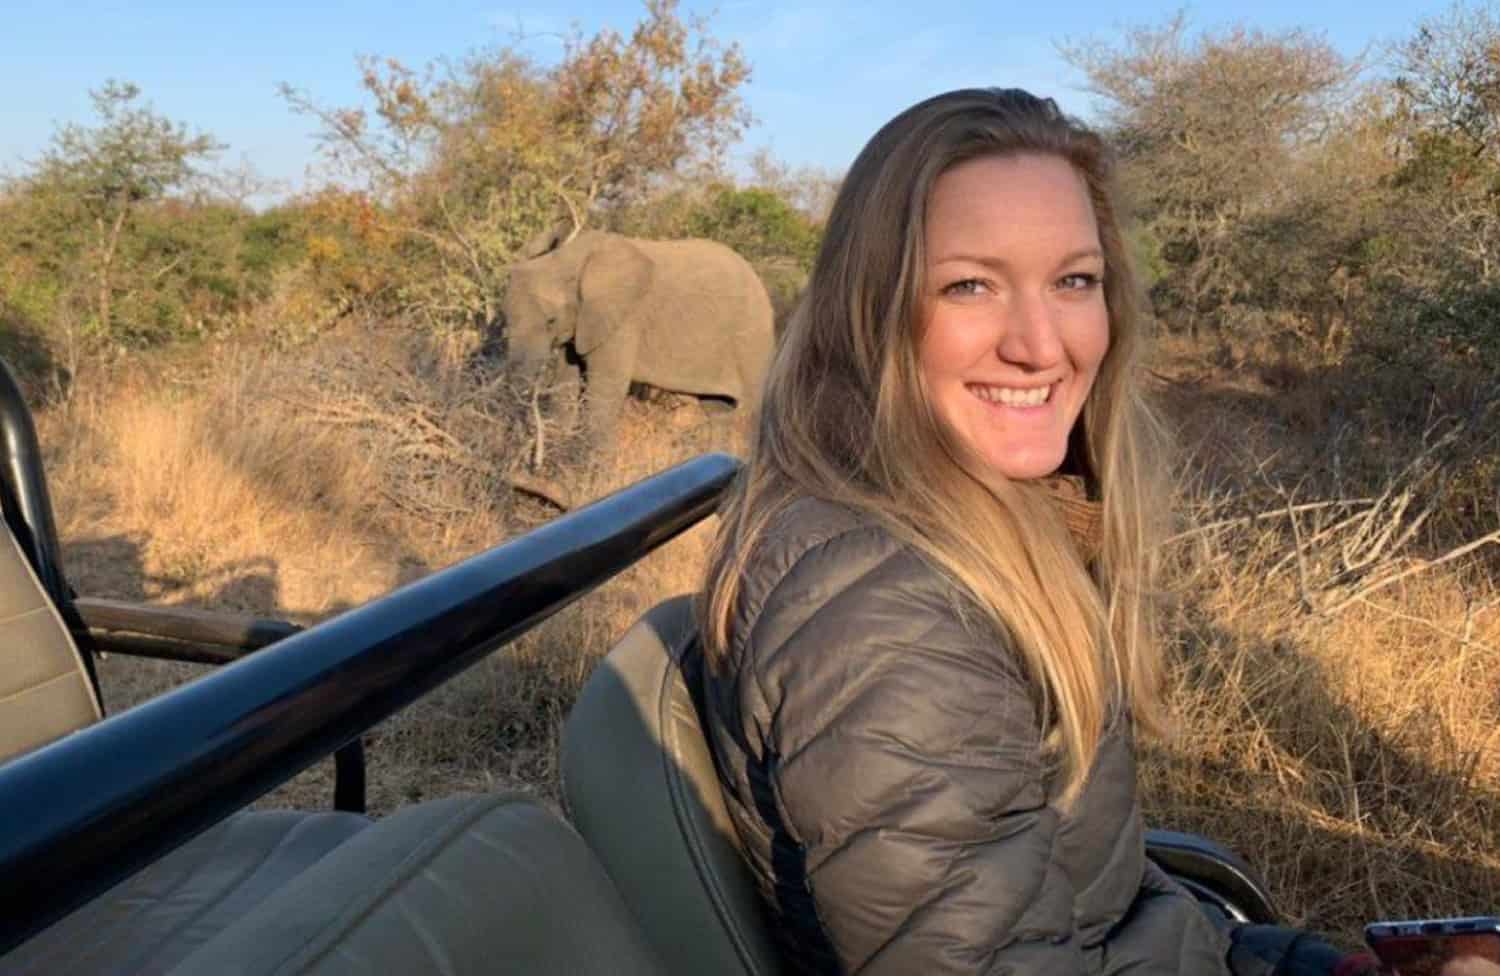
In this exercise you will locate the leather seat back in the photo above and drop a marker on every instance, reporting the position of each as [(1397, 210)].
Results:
[(45, 691), (639, 782)]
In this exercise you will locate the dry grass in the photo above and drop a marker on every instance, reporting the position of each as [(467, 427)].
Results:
[(1336, 676), (1348, 748), (298, 487), (1351, 756)]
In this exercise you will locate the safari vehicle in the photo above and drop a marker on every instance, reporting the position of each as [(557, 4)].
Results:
[(124, 847)]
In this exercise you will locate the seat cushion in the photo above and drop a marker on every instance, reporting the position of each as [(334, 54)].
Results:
[(467, 884), (155, 919), (45, 693), (641, 787)]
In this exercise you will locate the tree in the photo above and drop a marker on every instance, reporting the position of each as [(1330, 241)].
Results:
[(98, 179), (466, 161), (1216, 134), (1445, 261), (810, 189), (1448, 79)]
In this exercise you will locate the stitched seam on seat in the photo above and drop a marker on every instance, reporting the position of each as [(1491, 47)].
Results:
[(39, 608), (430, 942), (170, 935), (677, 790), (5, 699), (320, 943), (102, 936), (235, 886)]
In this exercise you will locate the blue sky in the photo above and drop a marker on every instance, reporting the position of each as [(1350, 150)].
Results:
[(826, 75)]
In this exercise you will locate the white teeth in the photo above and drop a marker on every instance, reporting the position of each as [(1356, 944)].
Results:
[(1013, 397)]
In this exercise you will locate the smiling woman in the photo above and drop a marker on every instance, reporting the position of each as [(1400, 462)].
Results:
[(925, 619)]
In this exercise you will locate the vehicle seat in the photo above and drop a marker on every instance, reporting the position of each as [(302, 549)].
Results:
[(45, 691), (639, 784)]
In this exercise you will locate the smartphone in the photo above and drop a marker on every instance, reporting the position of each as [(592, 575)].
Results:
[(1422, 947)]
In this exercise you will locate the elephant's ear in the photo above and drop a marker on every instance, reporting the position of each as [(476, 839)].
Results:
[(613, 284)]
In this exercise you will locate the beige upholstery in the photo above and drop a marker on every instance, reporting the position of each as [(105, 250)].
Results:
[(640, 786), (45, 693), (152, 921), (463, 885)]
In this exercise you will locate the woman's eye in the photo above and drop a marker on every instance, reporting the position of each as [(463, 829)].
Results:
[(968, 286), (1082, 281)]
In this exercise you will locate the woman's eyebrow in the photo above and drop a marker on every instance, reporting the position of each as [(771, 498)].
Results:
[(996, 261)]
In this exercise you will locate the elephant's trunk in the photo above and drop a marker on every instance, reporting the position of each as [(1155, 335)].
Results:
[(529, 371), (530, 355)]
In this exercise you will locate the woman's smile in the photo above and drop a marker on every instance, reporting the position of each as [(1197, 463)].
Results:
[(1020, 398)]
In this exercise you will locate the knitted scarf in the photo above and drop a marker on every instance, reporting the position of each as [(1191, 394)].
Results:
[(1083, 516)]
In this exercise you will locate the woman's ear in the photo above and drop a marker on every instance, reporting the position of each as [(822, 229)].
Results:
[(611, 292)]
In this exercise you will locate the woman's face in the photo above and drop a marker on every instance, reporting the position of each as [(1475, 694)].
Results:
[(1015, 324)]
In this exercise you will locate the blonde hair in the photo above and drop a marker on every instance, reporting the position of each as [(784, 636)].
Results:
[(845, 417)]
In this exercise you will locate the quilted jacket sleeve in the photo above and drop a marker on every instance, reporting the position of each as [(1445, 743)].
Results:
[(902, 755)]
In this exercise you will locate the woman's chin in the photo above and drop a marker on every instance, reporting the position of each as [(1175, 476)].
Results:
[(1027, 465)]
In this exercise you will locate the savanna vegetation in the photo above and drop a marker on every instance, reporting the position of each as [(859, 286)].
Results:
[(291, 409)]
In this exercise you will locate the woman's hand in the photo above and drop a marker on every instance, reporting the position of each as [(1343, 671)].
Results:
[(1471, 966)]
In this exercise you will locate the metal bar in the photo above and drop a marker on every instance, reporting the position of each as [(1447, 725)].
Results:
[(349, 778), (1221, 873), (191, 625), (207, 637), (87, 811), (161, 648)]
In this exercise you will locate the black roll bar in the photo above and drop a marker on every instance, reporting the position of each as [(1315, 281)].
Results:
[(87, 811)]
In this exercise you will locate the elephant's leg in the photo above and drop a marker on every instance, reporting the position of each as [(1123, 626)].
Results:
[(608, 381)]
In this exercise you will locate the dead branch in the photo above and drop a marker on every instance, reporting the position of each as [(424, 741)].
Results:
[(1304, 588), (541, 488), (539, 455), (1492, 538), (1275, 513)]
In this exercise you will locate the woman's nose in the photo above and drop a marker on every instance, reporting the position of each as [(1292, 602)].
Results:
[(1030, 337)]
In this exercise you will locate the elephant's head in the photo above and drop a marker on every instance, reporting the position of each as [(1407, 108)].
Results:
[(539, 316), (558, 298), (541, 306)]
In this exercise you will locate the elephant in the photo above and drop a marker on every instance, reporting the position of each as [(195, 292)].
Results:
[(606, 310)]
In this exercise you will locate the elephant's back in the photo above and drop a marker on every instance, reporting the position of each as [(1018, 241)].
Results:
[(717, 281), (707, 266), (710, 297)]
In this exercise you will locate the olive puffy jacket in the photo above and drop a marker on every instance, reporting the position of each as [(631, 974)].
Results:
[(881, 764)]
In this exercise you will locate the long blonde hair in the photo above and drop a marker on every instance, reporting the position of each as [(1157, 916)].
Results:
[(845, 417)]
